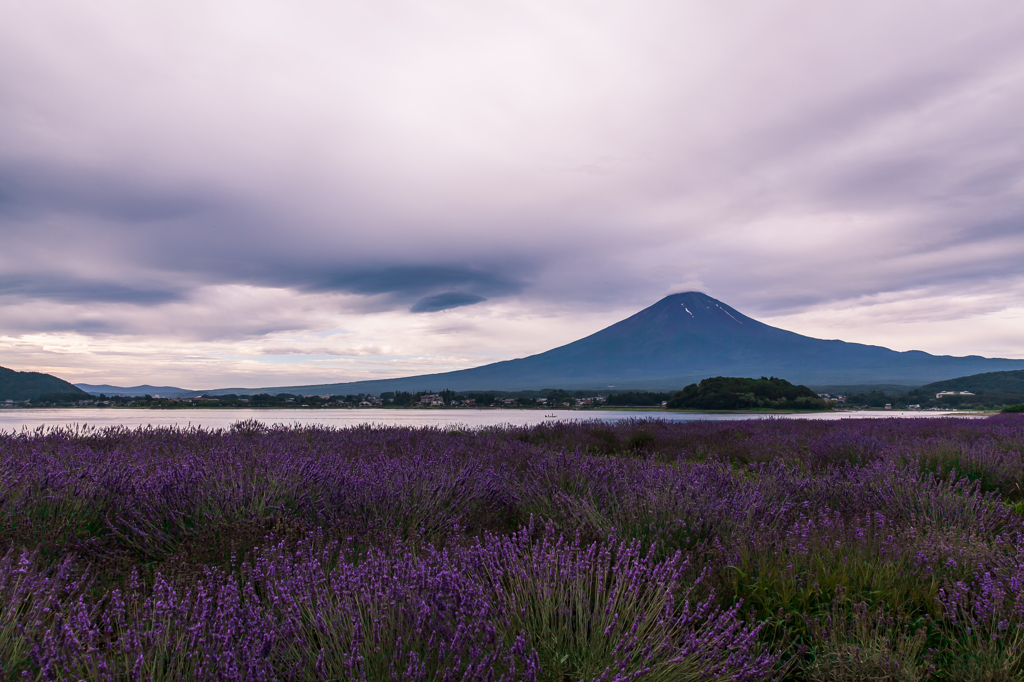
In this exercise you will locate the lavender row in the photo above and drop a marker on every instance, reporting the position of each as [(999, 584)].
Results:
[(769, 548)]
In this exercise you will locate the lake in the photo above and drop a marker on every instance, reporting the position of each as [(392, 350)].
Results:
[(18, 419)]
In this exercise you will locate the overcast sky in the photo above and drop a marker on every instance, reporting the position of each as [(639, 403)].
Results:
[(250, 194)]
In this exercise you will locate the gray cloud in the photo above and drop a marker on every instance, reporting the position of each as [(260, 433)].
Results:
[(445, 301), (412, 280), (362, 351), (30, 189), (76, 290)]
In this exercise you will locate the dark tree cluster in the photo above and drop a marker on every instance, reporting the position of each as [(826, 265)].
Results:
[(60, 398), (731, 393)]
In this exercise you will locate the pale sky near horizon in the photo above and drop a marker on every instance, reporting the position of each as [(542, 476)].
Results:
[(257, 194)]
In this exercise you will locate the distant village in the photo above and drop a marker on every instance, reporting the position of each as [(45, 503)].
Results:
[(445, 399)]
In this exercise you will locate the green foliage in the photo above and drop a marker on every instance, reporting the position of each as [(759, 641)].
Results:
[(403, 398), (1014, 409), (559, 397), (730, 393)]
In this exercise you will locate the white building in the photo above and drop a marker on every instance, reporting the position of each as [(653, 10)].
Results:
[(940, 394)]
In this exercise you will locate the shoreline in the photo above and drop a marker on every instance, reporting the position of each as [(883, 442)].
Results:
[(594, 410)]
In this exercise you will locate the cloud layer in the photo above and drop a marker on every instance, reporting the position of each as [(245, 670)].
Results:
[(185, 188)]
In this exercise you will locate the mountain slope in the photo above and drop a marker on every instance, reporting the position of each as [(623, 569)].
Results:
[(1005, 382), (680, 340), (28, 385)]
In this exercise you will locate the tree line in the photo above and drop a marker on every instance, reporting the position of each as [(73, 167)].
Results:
[(717, 393)]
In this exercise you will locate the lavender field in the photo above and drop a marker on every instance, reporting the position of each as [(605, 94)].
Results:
[(640, 550)]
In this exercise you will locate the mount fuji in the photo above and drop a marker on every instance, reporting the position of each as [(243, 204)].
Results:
[(679, 340)]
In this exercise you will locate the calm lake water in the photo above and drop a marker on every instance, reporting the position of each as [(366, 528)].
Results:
[(18, 419)]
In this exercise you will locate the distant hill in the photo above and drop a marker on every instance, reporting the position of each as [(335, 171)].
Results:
[(988, 390), (28, 385), (679, 340), (989, 382), (145, 389)]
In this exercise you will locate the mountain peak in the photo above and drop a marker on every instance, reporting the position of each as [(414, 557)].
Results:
[(689, 312), (693, 296)]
